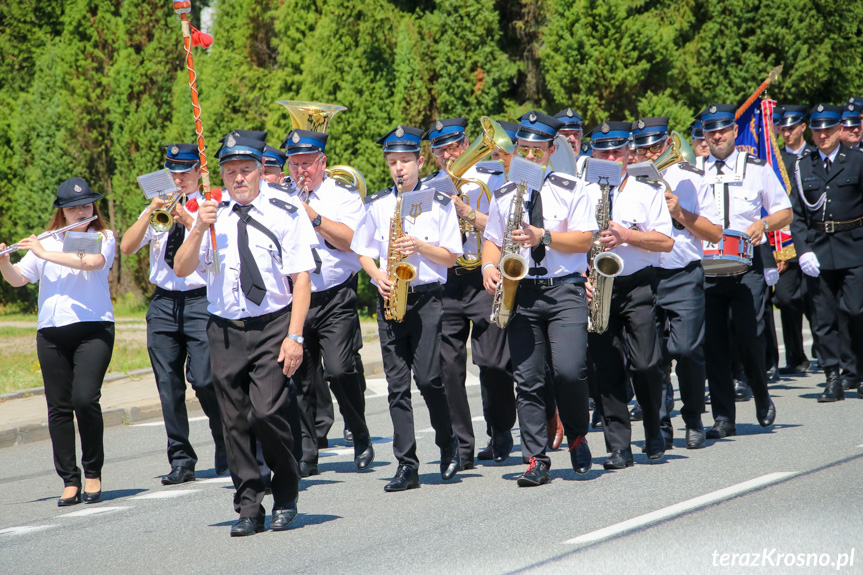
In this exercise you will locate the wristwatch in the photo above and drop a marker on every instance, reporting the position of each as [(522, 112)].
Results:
[(317, 221), (546, 238), (471, 215), (766, 226), (297, 338)]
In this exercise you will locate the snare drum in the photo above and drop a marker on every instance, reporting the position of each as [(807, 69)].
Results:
[(730, 257)]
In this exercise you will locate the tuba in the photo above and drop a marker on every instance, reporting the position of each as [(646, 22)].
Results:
[(161, 219), (493, 138), (316, 117), (679, 151), (604, 267), (399, 270), (512, 266)]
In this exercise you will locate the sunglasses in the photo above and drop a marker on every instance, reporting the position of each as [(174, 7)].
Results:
[(524, 151)]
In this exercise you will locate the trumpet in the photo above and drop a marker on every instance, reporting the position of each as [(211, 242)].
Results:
[(14, 247), (161, 219)]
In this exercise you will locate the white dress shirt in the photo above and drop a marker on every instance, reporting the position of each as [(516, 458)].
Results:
[(696, 197), (639, 206), (295, 234), (67, 295), (563, 210), (161, 273), (438, 228), (759, 189)]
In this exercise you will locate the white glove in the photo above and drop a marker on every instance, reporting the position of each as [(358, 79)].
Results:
[(771, 276), (809, 264)]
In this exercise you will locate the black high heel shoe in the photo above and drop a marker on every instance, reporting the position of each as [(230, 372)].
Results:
[(66, 502), (91, 497)]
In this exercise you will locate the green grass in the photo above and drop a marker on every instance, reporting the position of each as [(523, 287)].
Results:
[(6, 331)]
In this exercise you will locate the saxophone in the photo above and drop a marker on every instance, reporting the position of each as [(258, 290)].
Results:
[(604, 267), (513, 265), (399, 270)]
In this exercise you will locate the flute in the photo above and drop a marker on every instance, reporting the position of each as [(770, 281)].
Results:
[(15, 248)]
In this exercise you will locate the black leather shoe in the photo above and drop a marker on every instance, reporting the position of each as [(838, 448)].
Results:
[(596, 420), (247, 526), (406, 478), (221, 463), (848, 382), (450, 461), (283, 517), (323, 443), (772, 374), (487, 452), (798, 369), (466, 463), (833, 391), (91, 497), (579, 455), (74, 500), (860, 390), (619, 459), (720, 429), (656, 456), (636, 414), (308, 469), (591, 403), (765, 412), (535, 474), (695, 437), (348, 435), (364, 458), (742, 392), (502, 446), (179, 475)]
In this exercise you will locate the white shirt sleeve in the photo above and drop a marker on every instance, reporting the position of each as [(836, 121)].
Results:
[(706, 203), (295, 257), (29, 267), (365, 242), (659, 217), (450, 236), (351, 210), (581, 217), (148, 235), (773, 196), (494, 226), (109, 249)]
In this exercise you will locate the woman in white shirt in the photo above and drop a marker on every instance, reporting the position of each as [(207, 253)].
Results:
[(75, 336)]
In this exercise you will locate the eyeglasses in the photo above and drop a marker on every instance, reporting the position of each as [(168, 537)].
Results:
[(304, 165), (450, 149), (538, 153), (654, 149)]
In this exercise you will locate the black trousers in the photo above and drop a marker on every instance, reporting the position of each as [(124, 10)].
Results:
[(74, 359), (549, 323), (179, 350), (466, 311), (837, 297), (253, 397), (743, 298), (631, 340), (330, 332), (413, 345), (789, 296), (680, 318)]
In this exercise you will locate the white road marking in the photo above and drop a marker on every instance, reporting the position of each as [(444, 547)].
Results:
[(165, 494), (215, 480), (24, 529), (162, 423), (350, 450), (679, 508), (378, 385), (95, 511)]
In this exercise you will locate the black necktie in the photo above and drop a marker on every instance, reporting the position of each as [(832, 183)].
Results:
[(827, 164), (538, 252), (251, 281), (173, 243), (726, 216)]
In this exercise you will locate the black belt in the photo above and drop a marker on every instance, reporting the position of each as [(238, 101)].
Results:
[(424, 288), (549, 282), (833, 227), (192, 293), (322, 297), (460, 271), (251, 322)]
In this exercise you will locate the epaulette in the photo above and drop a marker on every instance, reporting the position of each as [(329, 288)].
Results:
[(283, 188), (756, 161), (377, 195), (690, 168), (431, 176), (347, 186), (482, 170), (442, 199), (562, 181), (503, 190), (290, 208)]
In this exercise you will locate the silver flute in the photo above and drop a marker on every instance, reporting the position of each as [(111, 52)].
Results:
[(15, 248)]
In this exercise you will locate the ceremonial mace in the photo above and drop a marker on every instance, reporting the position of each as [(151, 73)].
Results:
[(183, 8)]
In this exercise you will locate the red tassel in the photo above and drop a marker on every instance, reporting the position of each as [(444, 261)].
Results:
[(201, 39), (192, 205)]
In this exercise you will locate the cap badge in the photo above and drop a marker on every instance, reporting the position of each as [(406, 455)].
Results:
[(569, 112), (851, 100), (78, 188), (295, 138), (850, 107), (641, 124), (712, 109), (438, 126), (400, 132), (532, 117), (820, 107), (175, 150), (605, 128), (231, 142)]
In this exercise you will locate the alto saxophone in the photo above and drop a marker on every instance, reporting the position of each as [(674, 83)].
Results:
[(604, 267), (512, 266), (400, 272)]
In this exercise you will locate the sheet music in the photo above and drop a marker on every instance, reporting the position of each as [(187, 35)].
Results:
[(526, 173), (646, 169), (82, 243), (157, 184), (416, 203), (443, 184), (603, 172)]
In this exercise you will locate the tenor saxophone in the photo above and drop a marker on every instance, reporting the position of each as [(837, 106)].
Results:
[(399, 270), (513, 265), (604, 267)]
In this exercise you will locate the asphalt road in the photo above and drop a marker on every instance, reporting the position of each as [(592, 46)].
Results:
[(791, 493)]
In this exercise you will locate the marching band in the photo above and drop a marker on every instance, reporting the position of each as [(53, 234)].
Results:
[(573, 288)]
